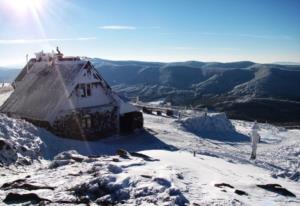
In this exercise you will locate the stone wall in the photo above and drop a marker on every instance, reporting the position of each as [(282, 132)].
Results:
[(87, 124)]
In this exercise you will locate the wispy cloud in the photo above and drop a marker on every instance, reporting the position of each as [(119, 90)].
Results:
[(117, 27), (35, 41), (126, 27)]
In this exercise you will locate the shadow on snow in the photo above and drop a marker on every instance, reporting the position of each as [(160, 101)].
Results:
[(228, 137), (141, 140)]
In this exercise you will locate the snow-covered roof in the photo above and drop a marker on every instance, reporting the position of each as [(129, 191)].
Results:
[(39, 90), (125, 107)]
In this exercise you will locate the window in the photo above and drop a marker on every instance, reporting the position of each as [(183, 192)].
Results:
[(85, 90), (83, 123), (86, 122), (88, 89), (82, 90)]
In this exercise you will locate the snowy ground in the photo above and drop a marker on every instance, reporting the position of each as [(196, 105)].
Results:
[(172, 176)]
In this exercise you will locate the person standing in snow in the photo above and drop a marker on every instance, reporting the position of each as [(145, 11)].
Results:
[(254, 139)]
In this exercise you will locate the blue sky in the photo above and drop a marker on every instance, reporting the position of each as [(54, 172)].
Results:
[(152, 30)]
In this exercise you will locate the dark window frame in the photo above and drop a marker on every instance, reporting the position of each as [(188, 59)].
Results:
[(83, 90), (88, 90)]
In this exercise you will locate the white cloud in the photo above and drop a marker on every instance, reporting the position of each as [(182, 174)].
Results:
[(34, 41), (117, 27)]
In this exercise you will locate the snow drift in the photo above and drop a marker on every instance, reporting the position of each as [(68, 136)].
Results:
[(208, 123), (19, 142), (215, 126)]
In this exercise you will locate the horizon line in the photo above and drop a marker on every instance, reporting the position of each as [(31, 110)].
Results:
[(295, 63)]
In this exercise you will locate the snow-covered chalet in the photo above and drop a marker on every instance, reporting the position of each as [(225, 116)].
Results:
[(68, 96)]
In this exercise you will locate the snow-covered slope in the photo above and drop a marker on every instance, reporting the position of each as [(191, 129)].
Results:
[(182, 166)]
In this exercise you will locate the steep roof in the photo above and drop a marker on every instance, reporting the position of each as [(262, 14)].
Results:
[(39, 91)]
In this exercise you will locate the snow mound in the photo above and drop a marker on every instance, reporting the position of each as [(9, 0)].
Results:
[(19, 142), (208, 123)]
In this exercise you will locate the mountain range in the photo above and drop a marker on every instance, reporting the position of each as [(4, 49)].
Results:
[(245, 90)]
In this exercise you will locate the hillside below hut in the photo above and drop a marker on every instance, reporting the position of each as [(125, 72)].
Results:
[(68, 96)]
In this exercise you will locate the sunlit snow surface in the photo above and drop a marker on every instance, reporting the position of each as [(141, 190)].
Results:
[(178, 176)]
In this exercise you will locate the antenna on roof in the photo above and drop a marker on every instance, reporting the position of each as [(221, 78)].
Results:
[(57, 49), (27, 63)]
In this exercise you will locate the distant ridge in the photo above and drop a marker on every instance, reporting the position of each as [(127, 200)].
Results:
[(8, 74), (244, 89), (287, 63)]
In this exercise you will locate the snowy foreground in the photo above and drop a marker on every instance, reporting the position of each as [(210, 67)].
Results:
[(171, 162)]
